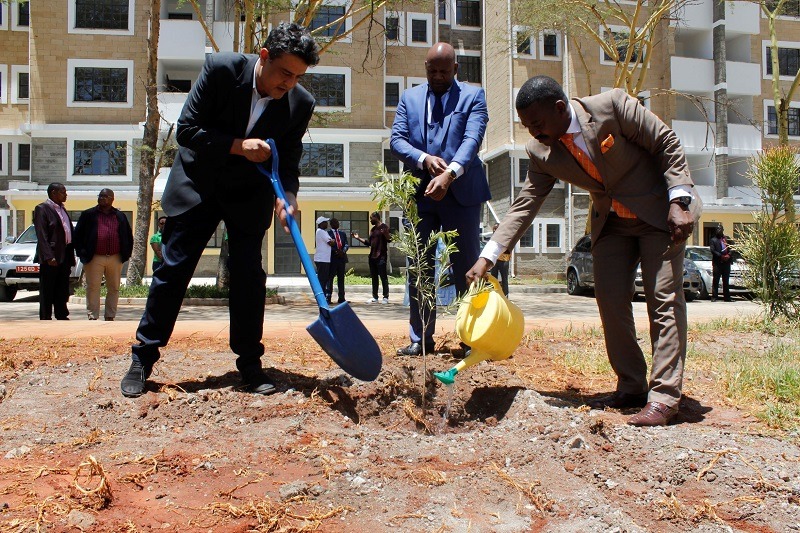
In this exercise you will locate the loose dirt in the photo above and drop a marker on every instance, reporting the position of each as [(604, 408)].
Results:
[(519, 452)]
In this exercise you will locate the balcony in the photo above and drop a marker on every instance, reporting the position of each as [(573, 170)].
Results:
[(696, 76), (698, 138), (181, 40), (740, 17), (170, 105)]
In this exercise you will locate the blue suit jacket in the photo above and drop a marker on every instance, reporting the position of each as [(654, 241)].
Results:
[(465, 118)]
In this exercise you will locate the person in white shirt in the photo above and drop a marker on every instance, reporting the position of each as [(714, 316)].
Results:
[(322, 254)]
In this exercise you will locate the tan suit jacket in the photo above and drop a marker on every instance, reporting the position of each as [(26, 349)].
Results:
[(643, 161)]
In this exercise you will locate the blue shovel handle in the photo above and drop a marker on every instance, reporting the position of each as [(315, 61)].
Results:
[(308, 265)]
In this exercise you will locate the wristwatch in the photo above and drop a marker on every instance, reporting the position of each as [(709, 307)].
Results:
[(453, 175), (683, 201)]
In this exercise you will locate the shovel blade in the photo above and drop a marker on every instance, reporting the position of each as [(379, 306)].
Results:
[(348, 342)]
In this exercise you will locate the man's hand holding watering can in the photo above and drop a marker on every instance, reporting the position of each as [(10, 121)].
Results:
[(479, 270)]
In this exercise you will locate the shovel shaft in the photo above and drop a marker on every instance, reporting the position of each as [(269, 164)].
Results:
[(294, 229)]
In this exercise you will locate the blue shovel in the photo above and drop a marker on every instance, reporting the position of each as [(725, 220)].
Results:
[(338, 331)]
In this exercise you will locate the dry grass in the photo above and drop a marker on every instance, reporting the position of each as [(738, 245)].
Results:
[(537, 498), (98, 497), (411, 411), (270, 516)]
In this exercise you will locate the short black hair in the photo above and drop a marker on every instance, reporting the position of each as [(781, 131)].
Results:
[(292, 38), (539, 90), (162, 217), (53, 187), (375, 214)]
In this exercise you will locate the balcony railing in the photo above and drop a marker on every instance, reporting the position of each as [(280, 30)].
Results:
[(698, 137)]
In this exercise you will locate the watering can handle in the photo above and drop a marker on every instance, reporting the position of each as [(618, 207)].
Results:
[(297, 237), (495, 283)]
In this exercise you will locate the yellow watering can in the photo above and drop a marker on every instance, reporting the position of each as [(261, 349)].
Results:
[(490, 324)]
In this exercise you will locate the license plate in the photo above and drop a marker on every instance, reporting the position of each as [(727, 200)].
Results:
[(28, 269)]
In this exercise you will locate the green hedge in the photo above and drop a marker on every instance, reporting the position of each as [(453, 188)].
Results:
[(194, 291)]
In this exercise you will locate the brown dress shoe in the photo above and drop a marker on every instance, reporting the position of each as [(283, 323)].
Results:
[(654, 414), (619, 400)]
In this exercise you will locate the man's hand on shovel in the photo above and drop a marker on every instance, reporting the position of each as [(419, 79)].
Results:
[(281, 209)]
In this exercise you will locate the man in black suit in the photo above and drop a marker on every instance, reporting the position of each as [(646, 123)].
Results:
[(54, 252), (238, 101), (338, 259), (720, 264)]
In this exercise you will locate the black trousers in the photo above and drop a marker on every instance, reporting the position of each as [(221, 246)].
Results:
[(324, 274), (185, 236), (377, 269), (500, 271), (337, 270), (721, 270), (53, 291)]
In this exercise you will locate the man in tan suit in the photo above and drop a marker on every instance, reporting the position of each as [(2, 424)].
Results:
[(643, 209)]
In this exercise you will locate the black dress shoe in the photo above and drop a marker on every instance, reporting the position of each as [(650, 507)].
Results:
[(257, 381), (133, 384), (415, 348), (619, 400)]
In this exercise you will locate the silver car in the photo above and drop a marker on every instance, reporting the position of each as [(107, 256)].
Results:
[(19, 272), (580, 277), (701, 256)]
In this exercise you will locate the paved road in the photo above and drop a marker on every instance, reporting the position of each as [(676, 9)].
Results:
[(536, 306)]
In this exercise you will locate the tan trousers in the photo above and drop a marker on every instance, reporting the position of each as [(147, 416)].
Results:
[(111, 267), (616, 253)]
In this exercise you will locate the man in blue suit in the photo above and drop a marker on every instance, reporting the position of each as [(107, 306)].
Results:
[(238, 101), (437, 132)]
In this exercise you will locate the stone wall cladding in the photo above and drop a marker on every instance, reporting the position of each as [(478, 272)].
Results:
[(363, 157), (48, 160)]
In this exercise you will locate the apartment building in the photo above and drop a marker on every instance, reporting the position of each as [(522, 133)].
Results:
[(72, 106)]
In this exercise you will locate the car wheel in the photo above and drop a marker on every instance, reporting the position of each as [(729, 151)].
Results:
[(7, 293), (573, 284), (703, 291), (690, 296)]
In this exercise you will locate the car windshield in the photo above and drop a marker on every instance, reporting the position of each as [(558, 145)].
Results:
[(699, 254), (28, 236)]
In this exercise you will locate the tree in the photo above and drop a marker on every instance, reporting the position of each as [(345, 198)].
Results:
[(771, 246), (782, 98), (149, 149)]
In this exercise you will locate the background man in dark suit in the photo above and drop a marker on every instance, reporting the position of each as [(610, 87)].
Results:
[(634, 167), (720, 264), (437, 132), (54, 252), (238, 101), (103, 241), (338, 259)]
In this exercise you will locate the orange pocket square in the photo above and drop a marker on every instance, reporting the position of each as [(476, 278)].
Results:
[(606, 145)]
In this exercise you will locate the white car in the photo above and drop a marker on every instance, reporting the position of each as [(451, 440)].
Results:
[(701, 256), (19, 272)]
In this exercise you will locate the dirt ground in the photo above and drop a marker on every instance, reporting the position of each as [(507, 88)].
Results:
[(519, 452)]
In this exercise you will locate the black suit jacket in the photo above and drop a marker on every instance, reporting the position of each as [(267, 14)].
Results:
[(342, 258), (715, 245), (51, 239), (85, 235), (216, 112)]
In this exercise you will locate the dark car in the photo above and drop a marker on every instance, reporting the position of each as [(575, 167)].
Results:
[(580, 277)]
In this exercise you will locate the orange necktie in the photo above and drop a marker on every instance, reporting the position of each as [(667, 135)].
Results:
[(586, 164)]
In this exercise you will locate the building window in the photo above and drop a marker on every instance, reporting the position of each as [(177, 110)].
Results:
[(102, 14), (526, 241), (791, 8), (392, 93), (23, 86), (95, 84), (24, 157), (621, 41), (419, 28), (100, 158), (1, 157), (523, 169), (392, 28), (788, 61), (419, 31), (523, 44), (327, 15), (322, 160), (391, 162), (443, 4), (328, 89), (550, 45), (468, 13), (177, 86), (24, 14), (794, 121), (544, 236), (469, 68), (3, 88), (553, 235)]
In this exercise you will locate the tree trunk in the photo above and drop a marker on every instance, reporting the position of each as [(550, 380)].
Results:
[(720, 101), (147, 170), (223, 274)]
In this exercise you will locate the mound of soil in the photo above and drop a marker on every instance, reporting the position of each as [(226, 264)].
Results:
[(518, 451)]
